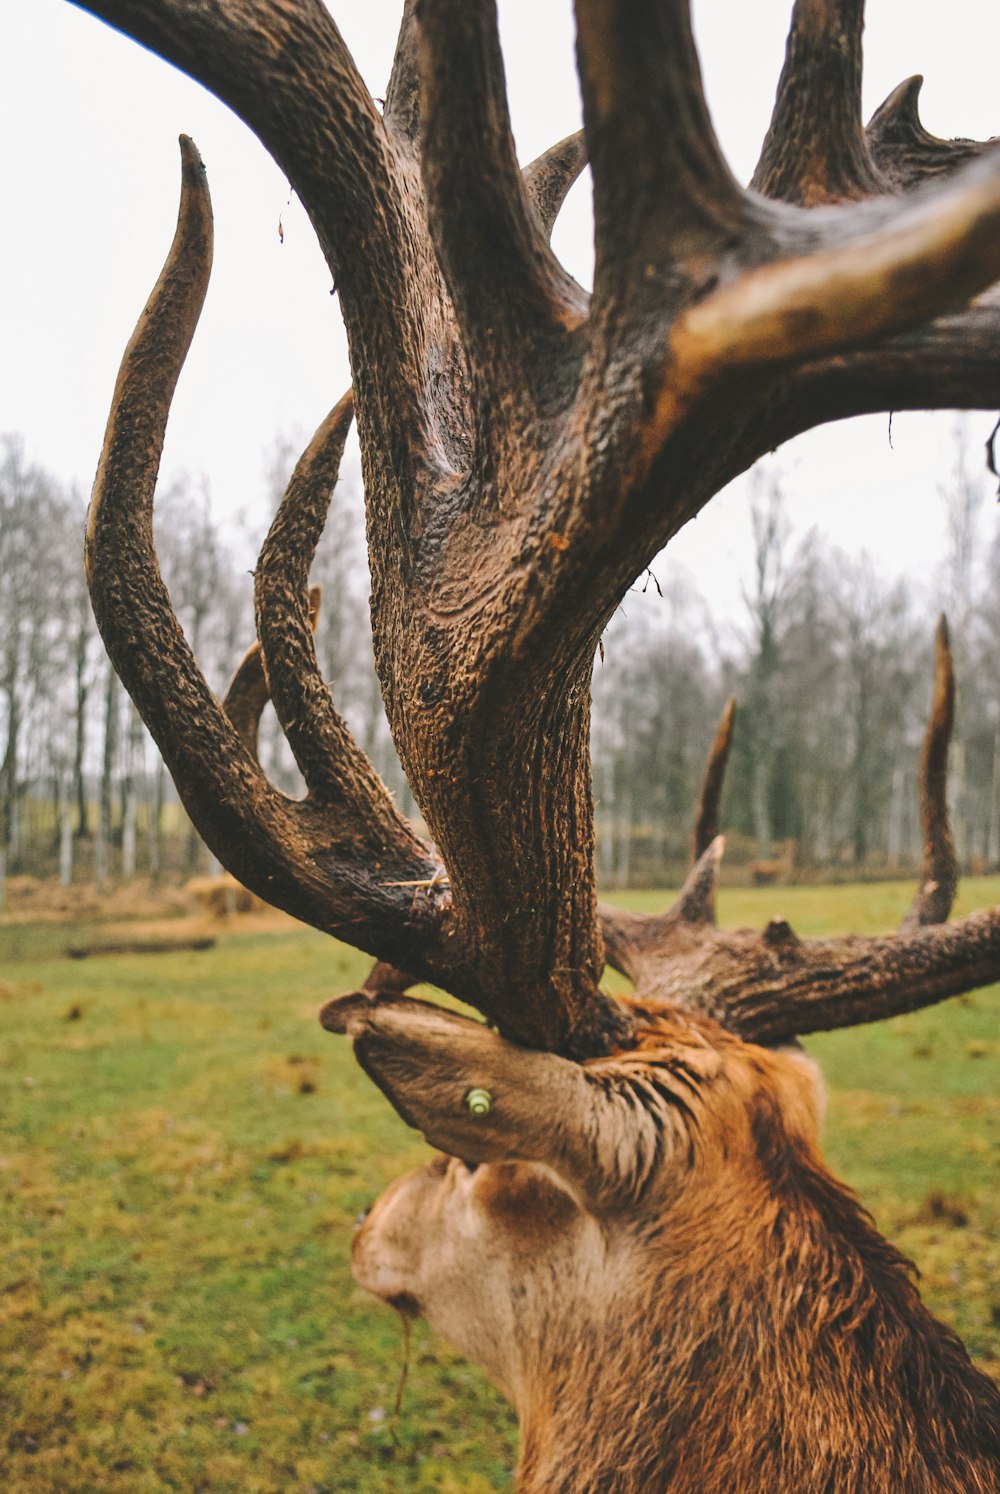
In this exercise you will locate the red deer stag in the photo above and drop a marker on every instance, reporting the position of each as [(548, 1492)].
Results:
[(639, 1242)]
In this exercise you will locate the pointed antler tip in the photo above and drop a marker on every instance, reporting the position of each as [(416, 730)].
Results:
[(905, 95), (190, 154)]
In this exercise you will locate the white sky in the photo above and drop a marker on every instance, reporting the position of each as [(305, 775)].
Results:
[(89, 124)]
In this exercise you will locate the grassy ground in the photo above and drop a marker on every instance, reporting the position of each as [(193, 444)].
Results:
[(183, 1152)]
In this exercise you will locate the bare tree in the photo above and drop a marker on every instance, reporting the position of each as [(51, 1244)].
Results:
[(879, 653), (656, 693), (83, 638), (32, 515), (106, 794), (767, 602), (527, 450)]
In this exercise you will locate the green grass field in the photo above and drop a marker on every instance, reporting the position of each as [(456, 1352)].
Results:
[(182, 1155)]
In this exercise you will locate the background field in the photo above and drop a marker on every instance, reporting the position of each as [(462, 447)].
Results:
[(182, 1155)]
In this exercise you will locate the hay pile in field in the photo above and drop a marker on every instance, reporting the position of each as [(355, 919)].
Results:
[(222, 897)]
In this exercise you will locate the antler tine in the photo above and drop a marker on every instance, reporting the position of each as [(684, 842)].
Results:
[(936, 894), (245, 699), (510, 294), (662, 188), (815, 149), (904, 152), (640, 945), (549, 177), (631, 939), (218, 779), (300, 697), (695, 903), (130, 601), (338, 775), (706, 822), (248, 694), (289, 853)]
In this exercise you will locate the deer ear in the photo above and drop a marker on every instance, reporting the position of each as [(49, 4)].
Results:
[(481, 1098)]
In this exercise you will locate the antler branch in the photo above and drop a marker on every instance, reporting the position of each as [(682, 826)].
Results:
[(936, 894), (815, 149), (291, 854), (938, 250), (285, 70), (248, 694), (631, 939), (508, 290), (951, 362), (706, 820), (772, 986), (771, 990), (663, 192), (548, 178)]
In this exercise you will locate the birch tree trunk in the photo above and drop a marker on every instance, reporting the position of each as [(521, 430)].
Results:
[(102, 848)]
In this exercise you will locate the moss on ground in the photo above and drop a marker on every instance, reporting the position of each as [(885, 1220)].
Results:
[(182, 1155)]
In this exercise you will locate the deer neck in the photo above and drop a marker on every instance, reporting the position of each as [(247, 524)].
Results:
[(778, 1343)]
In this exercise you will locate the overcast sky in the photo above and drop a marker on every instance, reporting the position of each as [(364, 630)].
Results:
[(90, 180)]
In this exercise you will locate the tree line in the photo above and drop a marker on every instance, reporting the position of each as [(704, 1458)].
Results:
[(830, 663)]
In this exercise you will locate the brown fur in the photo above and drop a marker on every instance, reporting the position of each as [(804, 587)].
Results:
[(729, 1320)]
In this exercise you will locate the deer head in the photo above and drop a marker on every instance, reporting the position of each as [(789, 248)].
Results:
[(572, 1205), (651, 1228), (527, 449)]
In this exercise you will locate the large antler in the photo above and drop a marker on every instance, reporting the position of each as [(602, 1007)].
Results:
[(527, 452), (772, 986)]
